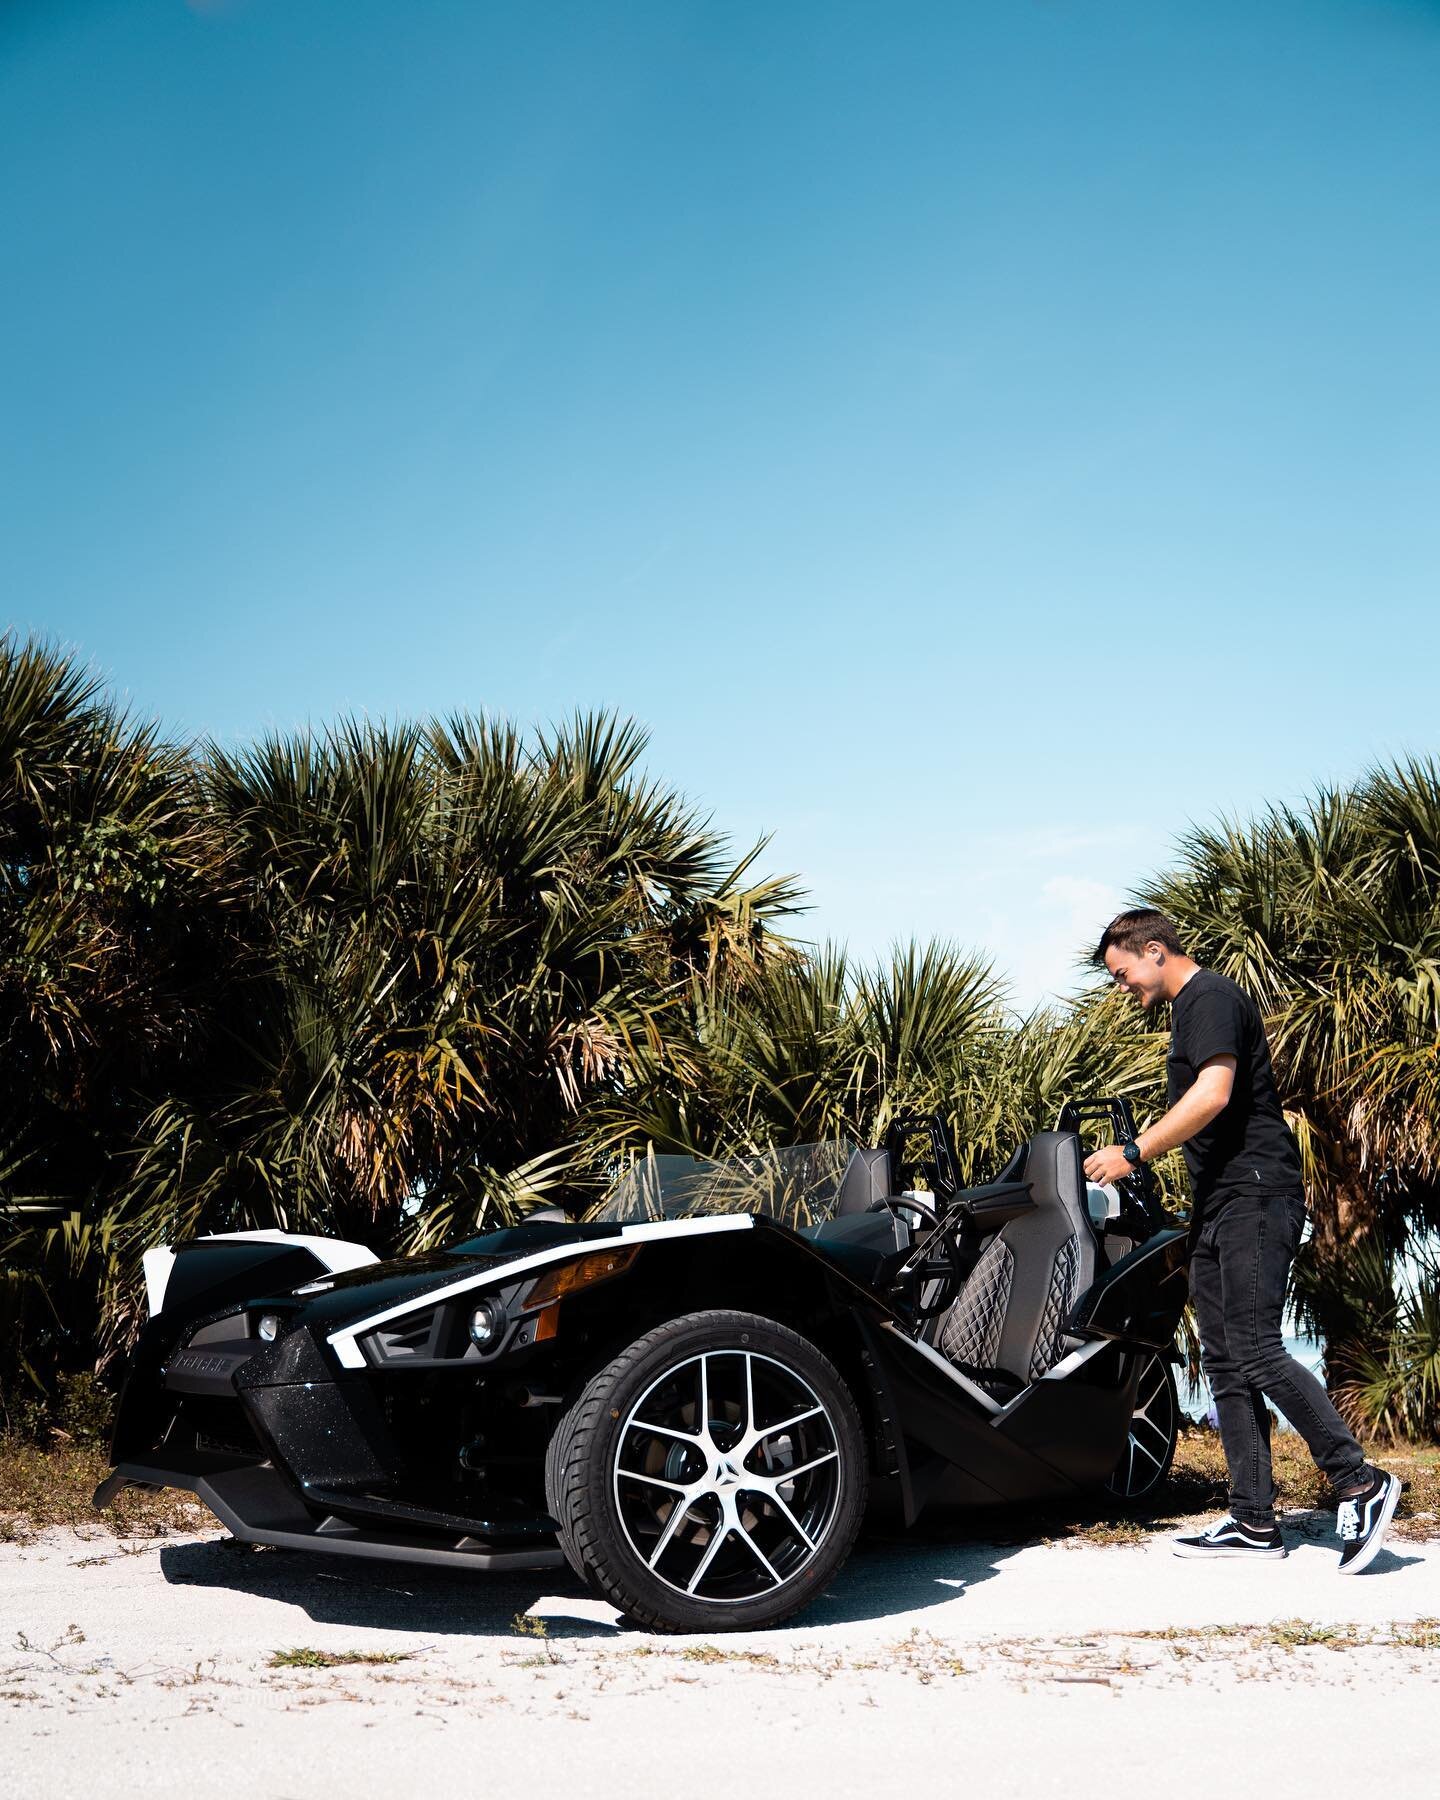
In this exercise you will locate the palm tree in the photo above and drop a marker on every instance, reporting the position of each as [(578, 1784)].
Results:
[(811, 1049), (112, 919), (452, 943), (1392, 1089), (1328, 914)]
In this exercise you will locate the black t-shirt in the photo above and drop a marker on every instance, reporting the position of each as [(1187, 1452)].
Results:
[(1249, 1148)]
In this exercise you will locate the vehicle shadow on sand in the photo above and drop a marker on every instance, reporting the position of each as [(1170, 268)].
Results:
[(880, 1580)]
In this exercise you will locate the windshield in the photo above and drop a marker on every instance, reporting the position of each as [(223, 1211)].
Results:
[(798, 1185)]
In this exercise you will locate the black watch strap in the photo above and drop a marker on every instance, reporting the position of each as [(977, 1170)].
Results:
[(1132, 1153)]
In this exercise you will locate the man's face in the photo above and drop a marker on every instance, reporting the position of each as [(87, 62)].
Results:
[(1139, 972)]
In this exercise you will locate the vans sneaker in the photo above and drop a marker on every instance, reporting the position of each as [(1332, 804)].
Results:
[(1230, 1538), (1361, 1520)]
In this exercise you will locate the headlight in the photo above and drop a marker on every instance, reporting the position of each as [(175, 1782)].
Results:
[(486, 1323), (267, 1326), (453, 1332)]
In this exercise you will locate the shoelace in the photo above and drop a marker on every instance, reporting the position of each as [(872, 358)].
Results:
[(1347, 1519)]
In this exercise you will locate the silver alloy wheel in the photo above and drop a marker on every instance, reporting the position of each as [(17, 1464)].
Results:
[(727, 1476), (1151, 1441)]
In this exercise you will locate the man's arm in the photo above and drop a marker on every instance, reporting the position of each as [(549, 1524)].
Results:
[(1205, 1100)]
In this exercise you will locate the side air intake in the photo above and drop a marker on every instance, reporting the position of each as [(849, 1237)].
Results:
[(410, 1336)]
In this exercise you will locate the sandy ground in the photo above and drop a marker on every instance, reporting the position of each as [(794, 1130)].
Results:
[(146, 1666)]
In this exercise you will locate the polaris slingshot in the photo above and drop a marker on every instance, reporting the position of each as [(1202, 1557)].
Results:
[(691, 1397)]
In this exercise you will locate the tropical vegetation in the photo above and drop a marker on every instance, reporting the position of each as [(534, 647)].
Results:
[(391, 981)]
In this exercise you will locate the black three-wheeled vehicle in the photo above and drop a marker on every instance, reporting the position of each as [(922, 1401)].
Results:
[(692, 1396)]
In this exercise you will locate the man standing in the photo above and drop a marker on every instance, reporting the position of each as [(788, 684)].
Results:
[(1249, 1211)]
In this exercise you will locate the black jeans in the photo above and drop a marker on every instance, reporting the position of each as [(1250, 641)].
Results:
[(1238, 1269)]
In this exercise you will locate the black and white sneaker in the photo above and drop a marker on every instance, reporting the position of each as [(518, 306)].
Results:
[(1361, 1520), (1231, 1538)]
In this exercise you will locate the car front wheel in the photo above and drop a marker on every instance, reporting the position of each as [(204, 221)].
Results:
[(712, 1476)]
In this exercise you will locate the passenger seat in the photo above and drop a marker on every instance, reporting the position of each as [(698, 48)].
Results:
[(1009, 1316)]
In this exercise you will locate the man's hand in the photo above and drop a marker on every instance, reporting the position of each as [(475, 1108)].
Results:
[(1192, 1112), (1107, 1164)]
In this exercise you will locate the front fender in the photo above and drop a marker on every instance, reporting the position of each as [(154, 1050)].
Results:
[(257, 1250)]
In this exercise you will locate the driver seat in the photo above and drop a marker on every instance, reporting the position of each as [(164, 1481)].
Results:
[(1006, 1325)]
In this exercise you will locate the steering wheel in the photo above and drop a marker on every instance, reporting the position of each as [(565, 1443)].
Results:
[(947, 1269)]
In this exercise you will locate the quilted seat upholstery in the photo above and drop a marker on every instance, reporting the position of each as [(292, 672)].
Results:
[(1010, 1315), (969, 1331)]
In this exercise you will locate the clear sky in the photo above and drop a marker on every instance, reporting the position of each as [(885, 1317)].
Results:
[(978, 437)]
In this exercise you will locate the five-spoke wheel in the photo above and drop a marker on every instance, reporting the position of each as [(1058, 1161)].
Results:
[(712, 1476), (728, 1475)]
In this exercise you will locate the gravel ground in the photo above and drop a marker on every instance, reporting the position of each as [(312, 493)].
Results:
[(1063, 1669)]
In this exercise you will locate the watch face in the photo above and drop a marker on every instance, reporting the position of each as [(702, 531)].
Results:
[(1132, 1153)]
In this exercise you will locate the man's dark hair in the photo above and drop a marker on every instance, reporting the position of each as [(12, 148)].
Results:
[(1134, 930)]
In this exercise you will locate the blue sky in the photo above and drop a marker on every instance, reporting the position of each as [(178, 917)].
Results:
[(976, 437)]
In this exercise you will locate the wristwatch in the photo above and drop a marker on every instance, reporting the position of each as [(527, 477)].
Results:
[(1132, 1153)]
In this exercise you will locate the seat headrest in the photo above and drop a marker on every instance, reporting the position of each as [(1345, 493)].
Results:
[(1054, 1168), (866, 1180)]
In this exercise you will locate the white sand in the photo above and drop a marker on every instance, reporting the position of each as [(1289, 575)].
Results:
[(961, 1669)]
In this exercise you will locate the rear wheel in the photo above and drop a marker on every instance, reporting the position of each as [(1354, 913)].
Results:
[(1154, 1426), (712, 1477)]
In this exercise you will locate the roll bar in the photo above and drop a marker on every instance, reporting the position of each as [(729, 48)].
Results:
[(1139, 1192)]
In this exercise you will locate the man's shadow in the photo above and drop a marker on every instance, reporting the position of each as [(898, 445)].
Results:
[(881, 1579)]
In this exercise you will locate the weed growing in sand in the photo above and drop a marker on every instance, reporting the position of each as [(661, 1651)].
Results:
[(526, 1625), (303, 1656), (712, 1653)]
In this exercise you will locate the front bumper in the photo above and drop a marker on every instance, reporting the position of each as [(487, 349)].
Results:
[(283, 1453), (256, 1504)]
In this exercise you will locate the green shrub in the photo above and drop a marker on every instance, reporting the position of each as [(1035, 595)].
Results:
[(84, 1409)]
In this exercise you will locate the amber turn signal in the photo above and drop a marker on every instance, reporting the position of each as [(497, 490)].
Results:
[(585, 1271)]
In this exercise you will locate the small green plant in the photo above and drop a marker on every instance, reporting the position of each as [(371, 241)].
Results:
[(712, 1653), (303, 1656), (526, 1625), (1301, 1634)]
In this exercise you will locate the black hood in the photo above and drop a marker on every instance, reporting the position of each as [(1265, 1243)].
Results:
[(358, 1292)]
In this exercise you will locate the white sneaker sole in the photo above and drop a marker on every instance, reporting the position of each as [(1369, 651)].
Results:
[(1259, 1554), (1364, 1558)]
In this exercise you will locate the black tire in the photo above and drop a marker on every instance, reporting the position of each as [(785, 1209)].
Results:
[(630, 1471), (1150, 1440)]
